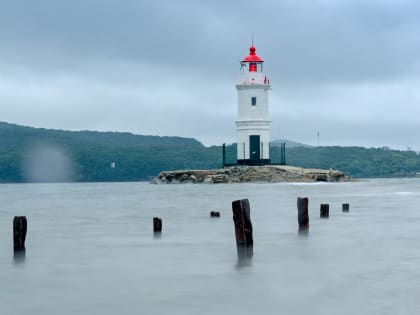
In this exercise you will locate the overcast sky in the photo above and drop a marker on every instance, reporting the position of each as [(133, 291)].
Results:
[(348, 69)]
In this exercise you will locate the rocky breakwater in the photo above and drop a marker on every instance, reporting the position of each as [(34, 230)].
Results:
[(242, 174)]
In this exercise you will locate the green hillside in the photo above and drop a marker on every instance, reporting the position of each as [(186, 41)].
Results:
[(356, 162), (89, 155), (40, 155)]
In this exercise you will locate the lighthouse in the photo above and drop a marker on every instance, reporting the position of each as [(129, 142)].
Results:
[(253, 122)]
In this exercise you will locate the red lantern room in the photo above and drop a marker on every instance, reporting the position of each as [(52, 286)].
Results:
[(253, 62)]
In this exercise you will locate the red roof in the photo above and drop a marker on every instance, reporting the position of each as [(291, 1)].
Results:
[(252, 57)]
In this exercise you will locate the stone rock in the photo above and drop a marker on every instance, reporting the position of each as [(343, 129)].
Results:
[(238, 174), (220, 178), (184, 178), (192, 179)]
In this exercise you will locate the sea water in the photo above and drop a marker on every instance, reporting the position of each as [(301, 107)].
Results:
[(90, 249)]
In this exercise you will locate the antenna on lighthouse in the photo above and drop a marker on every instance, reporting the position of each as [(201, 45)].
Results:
[(252, 39)]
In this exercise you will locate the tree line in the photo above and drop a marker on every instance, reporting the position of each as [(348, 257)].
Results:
[(115, 156)]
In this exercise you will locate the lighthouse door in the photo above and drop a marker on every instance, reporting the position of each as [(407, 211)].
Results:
[(254, 149)]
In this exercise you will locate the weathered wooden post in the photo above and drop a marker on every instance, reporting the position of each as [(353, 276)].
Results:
[(324, 211), (303, 216), (157, 225), (243, 228), (19, 233), (214, 214), (346, 207)]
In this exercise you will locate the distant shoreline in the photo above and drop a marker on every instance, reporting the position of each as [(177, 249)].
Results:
[(30, 154), (151, 181)]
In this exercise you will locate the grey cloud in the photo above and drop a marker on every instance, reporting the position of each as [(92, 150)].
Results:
[(169, 68), (320, 40)]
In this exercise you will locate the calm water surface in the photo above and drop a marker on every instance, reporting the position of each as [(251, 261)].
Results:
[(91, 250)]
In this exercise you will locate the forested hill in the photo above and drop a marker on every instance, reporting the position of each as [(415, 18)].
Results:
[(41, 155), (35, 154), (357, 162), (9, 133)]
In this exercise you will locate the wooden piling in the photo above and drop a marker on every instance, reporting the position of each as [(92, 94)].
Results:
[(243, 228), (303, 215), (19, 233), (157, 225), (214, 214), (324, 211), (346, 207)]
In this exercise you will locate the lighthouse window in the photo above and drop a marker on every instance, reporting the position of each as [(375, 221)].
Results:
[(253, 101), (252, 67)]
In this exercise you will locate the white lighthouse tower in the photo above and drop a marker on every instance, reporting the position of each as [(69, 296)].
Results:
[(253, 124)]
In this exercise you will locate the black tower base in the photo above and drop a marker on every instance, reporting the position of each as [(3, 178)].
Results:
[(255, 163)]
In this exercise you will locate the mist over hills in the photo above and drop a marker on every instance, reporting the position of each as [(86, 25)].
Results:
[(30, 154)]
